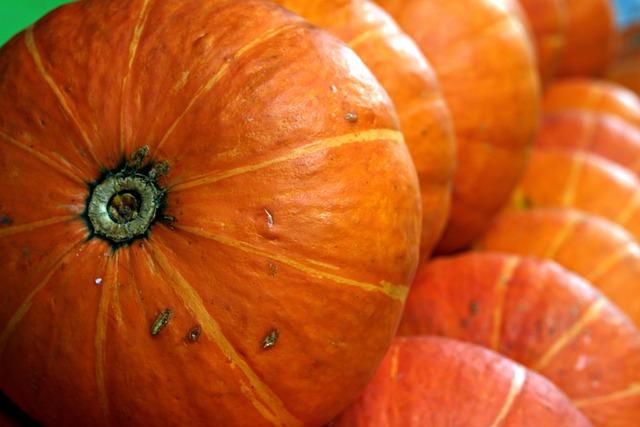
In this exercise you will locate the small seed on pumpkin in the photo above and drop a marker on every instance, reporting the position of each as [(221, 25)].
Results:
[(98, 281), (194, 333), (474, 307), (161, 321), (351, 117), (271, 339)]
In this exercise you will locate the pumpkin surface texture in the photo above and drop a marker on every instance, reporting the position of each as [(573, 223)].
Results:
[(438, 382), (593, 95), (602, 134), (548, 22), (590, 37), (485, 63), (581, 180), (538, 314), (408, 78), (196, 229), (596, 249)]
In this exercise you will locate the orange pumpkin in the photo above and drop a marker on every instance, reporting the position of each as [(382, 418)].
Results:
[(195, 225), (593, 95), (538, 314), (548, 21), (590, 37), (580, 180), (484, 60), (626, 72), (602, 134), (408, 78), (437, 382), (594, 248)]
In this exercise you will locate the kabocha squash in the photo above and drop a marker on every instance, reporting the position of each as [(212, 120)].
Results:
[(581, 180), (485, 63), (590, 37), (209, 216), (438, 382), (538, 314), (594, 248), (548, 22), (593, 95), (408, 78), (602, 134)]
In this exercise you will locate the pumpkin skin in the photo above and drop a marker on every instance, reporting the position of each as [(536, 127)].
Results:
[(212, 316), (409, 80), (593, 95), (602, 134), (538, 314), (626, 72), (584, 181), (548, 22), (596, 249), (438, 382), (494, 131), (590, 37)]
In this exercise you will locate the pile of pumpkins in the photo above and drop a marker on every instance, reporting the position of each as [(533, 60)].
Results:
[(321, 212)]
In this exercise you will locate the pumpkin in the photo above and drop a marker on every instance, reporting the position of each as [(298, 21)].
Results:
[(596, 249), (12, 416), (538, 314), (590, 37), (548, 22), (485, 64), (593, 95), (208, 216), (584, 181), (602, 134), (626, 72), (408, 78), (438, 382)]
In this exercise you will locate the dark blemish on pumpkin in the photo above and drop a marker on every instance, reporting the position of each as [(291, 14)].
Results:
[(6, 220), (521, 201), (270, 220), (272, 269), (161, 321), (473, 307), (351, 117), (464, 323), (194, 333), (270, 340)]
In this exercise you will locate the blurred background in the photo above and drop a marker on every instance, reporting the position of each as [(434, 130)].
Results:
[(16, 15)]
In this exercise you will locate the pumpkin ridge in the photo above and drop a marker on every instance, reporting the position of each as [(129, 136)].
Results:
[(573, 181), (133, 50), (209, 84), (393, 291), (631, 391), (276, 413), (571, 333), (26, 228), (627, 212), (500, 288), (24, 307), (368, 34), (606, 264), (517, 385), (58, 167), (372, 135), (32, 48), (563, 234), (102, 319)]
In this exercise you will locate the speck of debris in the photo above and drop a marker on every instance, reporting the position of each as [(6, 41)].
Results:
[(351, 117), (98, 281), (473, 307), (272, 269), (6, 220), (161, 321), (270, 340), (333, 88), (270, 221), (194, 333)]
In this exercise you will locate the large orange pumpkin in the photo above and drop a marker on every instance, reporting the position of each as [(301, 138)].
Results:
[(208, 217), (594, 248), (485, 63), (408, 78), (438, 382), (548, 21), (626, 72), (581, 180), (593, 95), (602, 134), (536, 313), (590, 37)]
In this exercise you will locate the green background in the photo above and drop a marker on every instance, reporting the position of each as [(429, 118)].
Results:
[(15, 15)]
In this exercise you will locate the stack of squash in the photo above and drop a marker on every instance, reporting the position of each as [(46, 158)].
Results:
[(357, 213)]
